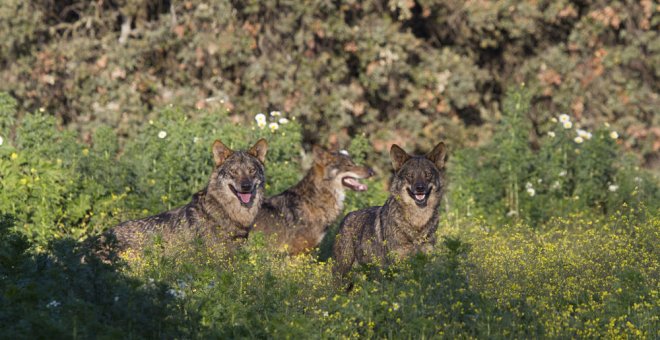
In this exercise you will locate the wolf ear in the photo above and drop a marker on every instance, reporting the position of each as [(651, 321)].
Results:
[(259, 150), (321, 155), (438, 155), (220, 152), (398, 157)]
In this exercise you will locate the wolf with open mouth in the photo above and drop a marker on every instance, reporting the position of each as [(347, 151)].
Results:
[(301, 215), (406, 223), (223, 213)]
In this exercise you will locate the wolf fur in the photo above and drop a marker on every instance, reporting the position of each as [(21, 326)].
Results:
[(300, 216), (221, 214), (405, 224)]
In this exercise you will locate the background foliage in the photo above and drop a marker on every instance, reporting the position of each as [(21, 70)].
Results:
[(400, 71)]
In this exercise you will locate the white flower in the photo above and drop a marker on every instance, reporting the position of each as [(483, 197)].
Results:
[(556, 185), (53, 304), (1, 140), (578, 139), (551, 134), (613, 187), (528, 185), (325, 314), (151, 122), (344, 152), (564, 118), (553, 119), (162, 134), (567, 125), (275, 113), (273, 126), (261, 124), (260, 117), (283, 120), (395, 306), (614, 135), (42, 110), (531, 192), (196, 139), (584, 134), (562, 173)]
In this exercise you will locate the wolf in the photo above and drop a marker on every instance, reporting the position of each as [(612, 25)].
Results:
[(406, 223), (221, 214), (300, 216)]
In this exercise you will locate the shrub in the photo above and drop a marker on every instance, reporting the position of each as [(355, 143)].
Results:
[(398, 71), (568, 170)]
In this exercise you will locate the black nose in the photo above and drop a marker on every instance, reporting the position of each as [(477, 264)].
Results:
[(371, 172), (420, 187), (246, 186)]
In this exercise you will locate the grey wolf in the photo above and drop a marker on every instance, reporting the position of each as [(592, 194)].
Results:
[(405, 224), (300, 216), (221, 214)]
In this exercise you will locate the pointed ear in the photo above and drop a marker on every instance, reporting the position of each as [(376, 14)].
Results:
[(438, 155), (259, 150), (220, 152), (321, 155), (398, 157)]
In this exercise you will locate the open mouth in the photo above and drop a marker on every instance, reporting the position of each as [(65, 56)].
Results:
[(420, 198), (353, 184), (246, 198)]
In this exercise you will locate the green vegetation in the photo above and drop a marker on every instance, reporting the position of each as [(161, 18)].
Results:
[(577, 259)]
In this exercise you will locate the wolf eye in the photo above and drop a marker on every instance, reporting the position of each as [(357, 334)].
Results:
[(252, 171)]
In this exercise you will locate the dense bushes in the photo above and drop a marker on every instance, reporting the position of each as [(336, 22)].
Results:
[(569, 170), (408, 72), (519, 255)]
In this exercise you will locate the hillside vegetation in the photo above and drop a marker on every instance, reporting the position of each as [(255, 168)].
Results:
[(398, 71)]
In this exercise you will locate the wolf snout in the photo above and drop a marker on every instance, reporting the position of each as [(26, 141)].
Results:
[(420, 188), (246, 186)]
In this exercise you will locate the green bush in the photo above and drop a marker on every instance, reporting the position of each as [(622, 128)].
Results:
[(57, 187), (568, 170), (407, 72)]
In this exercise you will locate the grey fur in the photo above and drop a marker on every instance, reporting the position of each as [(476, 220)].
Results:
[(215, 214), (401, 226)]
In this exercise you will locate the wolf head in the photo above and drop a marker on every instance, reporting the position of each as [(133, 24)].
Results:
[(239, 176), (419, 180), (339, 169)]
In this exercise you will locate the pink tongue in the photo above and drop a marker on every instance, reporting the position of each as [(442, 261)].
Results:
[(419, 197), (355, 184), (245, 198)]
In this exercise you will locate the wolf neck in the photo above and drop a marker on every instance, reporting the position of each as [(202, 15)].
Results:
[(415, 221), (226, 211), (319, 196)]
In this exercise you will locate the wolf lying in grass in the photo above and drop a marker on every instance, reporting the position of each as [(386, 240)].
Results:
[(220, 214), (406, 223), (301, 215)]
